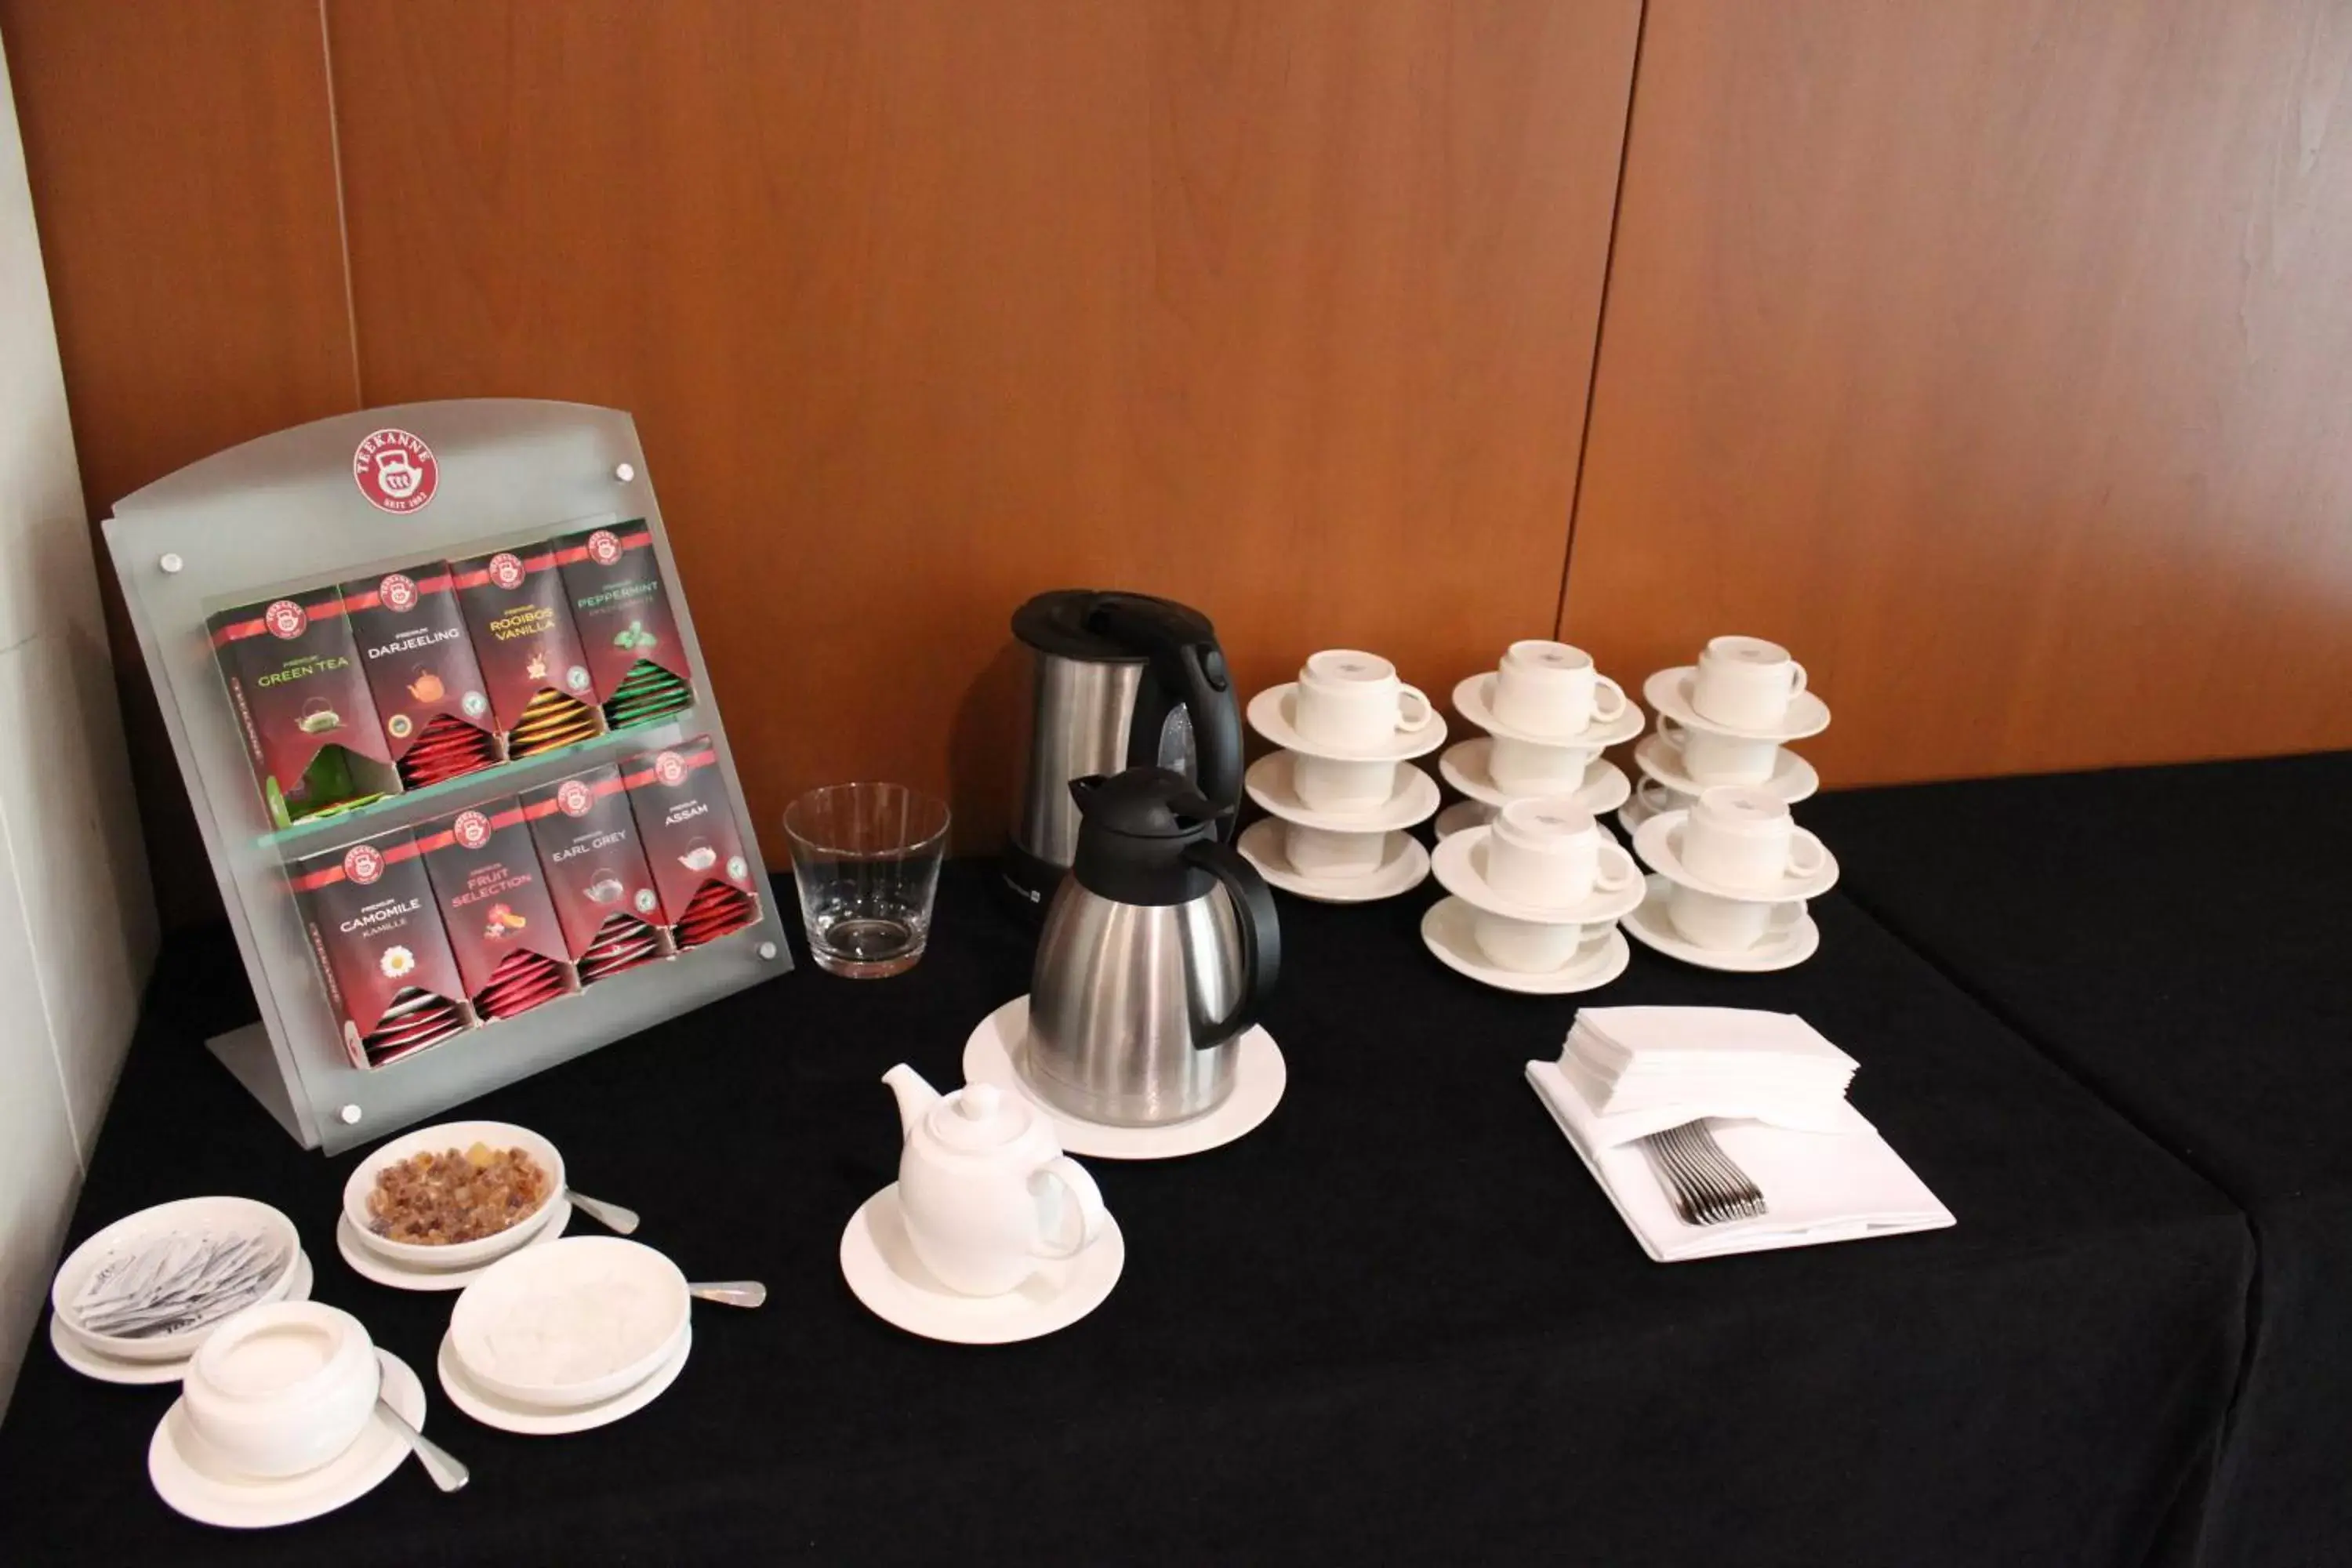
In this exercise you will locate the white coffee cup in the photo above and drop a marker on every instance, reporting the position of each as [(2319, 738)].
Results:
[(1525, 767), (282, 1388), (1524, 947), (1726, 925), (1656, 799), (1746, 682), (1353, 700), (1550, 852), (1740, 837), (1321, 852), (1329, 784), (1706, 758), (1551, 690)]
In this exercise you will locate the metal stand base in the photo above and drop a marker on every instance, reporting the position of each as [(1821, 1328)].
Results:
[(247, 1054)]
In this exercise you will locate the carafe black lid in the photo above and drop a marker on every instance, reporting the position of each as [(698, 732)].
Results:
[(1068, 622), (1143, 803), (1134, 833)]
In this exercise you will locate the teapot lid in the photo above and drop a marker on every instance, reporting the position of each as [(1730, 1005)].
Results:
[(979, 1117)]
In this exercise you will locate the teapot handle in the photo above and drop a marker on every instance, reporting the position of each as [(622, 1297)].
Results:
[(1072, 1177), (1261, 936)]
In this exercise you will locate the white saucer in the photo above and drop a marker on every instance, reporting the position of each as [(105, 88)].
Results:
[(1446, 930), (1460, 863), (1474, 699), (1461, 816), (1404, 864), (530, 1420), (1413, 797), (1271, 714), (880, 1263), (114, 1369), (185, 1475), (1781, 949), (1793, 778), (1604, 786), (1668, 691), (1659, 840), (383, 1270), (1259, 1077)]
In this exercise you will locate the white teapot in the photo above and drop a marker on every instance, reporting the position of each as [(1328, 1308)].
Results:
[(984, 1187)]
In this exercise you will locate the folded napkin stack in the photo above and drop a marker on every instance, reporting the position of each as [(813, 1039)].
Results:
[(1772, 1091)]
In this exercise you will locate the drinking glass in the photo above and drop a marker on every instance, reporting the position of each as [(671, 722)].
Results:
[(866, 858)]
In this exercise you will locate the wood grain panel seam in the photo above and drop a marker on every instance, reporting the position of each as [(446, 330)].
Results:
[(343, 215)]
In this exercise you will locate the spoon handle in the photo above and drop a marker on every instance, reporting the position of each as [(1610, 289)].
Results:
[(730, 1292), (439, 1463), (611, 1216)]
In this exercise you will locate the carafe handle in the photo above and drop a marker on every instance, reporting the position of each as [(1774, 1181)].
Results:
[(1261, 936), (1183, 671)]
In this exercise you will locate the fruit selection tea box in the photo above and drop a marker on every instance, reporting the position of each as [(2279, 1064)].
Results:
[(636, 656), (697, 851), (595, 868), (496, 908), (421, 670), (302, 700), (376, 932), (542, 694)]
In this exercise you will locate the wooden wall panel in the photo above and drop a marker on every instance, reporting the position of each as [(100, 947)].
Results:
[(1997, 357), (1281, 306), (182, 160)]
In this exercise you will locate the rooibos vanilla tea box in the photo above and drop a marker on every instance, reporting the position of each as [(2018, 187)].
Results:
[(690, 837), (595, 868), (421, 670), (496, 908), (301, 702), (542, 694), (374, 928), (623, 615)]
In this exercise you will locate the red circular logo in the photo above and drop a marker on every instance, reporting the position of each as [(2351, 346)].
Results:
[(362, 863), (397, 592), (506, 570), (472, 829), (286, 619), (573, 797), (603, 547), (670, 768), (396, 471)]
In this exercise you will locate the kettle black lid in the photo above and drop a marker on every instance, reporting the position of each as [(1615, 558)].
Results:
[(1068, 622)]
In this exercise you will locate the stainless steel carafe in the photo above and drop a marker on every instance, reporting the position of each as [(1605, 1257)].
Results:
[(1121, 680), (1159, 951)]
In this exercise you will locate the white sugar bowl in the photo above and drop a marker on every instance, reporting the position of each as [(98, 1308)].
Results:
[(282, 1388)]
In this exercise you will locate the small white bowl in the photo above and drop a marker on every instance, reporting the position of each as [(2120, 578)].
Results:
[(572, 1324), (450, 1135), (280, 1389), (222, 1213)]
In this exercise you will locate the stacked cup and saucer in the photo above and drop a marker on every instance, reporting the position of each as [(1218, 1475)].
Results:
[(1730, 878), (1726, 719), (1548, 714), (1535, 899), (1342, 791)]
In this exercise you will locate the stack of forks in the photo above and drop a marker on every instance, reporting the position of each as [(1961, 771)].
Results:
[(1700, 1179)]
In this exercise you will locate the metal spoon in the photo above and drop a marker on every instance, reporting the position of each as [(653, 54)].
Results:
[(731, 1292), (611, 1216), (439, 1463)]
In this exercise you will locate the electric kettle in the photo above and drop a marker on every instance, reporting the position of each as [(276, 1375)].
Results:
[(1121, 680), (1159, 951)]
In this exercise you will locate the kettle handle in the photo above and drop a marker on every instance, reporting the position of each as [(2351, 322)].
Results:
[(1260, 935), (1182, 670)]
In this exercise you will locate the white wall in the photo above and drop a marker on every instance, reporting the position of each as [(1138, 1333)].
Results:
[(77, 917)]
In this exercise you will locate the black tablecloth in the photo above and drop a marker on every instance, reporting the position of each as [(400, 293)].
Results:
[(1398, 1321), (2180, 939)]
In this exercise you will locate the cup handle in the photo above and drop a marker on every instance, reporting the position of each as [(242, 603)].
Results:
[(1806, 855), (1651, 794), (1092, 1215), (1674, 732), (1615, 707), (1796, 678), (1628, 873), (1413, 712)]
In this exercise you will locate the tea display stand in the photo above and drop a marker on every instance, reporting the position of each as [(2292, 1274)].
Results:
[(286, 512)]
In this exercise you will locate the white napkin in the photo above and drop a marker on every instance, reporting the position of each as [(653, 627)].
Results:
[(1644, 1057), (1841, 1185)]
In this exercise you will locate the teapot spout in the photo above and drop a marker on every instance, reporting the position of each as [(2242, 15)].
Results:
[(915, 1097)]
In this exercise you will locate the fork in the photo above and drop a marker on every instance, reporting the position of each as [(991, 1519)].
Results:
[(1702, 1182)]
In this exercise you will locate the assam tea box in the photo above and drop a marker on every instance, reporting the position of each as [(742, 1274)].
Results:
[(420, 671), (496, 908), (375, 929), (680, 796), (542, 694), (302, 700), (635, 658), (605, 894)]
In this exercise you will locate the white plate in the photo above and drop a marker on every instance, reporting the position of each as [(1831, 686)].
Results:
[(1259, 1077), (1781, 949), (880, 1263), (1460, 863), (1404, 864), (532, 1421), (1793, 778), (1272, 712), (189, 1478), (196, 1215), (113, 1369), (1413, 796), (1669, 690), (1473, 698), (1604, 786), (572, 1324), (1658, 841), (1461, 816), (1446, 930), (383, 1270)]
